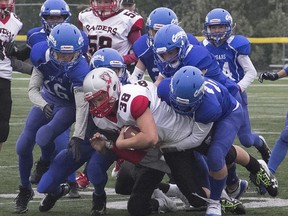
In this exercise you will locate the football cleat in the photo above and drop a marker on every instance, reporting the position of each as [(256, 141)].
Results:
[(40, 169), (22, 199), (82, 181), (73, 193), (264, 178), (213, 208), (99, 204), (117, 167), (50, 199), (264, 150), (240, 190), (229, 204)]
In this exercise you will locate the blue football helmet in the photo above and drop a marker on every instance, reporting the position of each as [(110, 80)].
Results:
[(168, 38), (187, 88), (105, 9), (54, 8), (110, 58), (65, 38), (218, 16), (158, 18)]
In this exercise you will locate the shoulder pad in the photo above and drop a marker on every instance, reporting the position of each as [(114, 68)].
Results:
[(140, 46), (240, 43), (38, 51), (163, 90), (192, 39)]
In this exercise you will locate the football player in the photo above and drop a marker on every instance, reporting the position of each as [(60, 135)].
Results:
[(55, 90), (107, 25), (279, 150), (232, 53), (108, 101), (143, 46), (192, 94)]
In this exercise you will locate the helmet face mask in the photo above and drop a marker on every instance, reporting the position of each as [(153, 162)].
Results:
[(102, 89), (6, 6), (170, 39), (216, 19), (54, 12), (105, 8)]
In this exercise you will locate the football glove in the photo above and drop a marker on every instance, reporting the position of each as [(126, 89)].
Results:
[(74, 147), (10, 49), (48, 111), (268, 76)]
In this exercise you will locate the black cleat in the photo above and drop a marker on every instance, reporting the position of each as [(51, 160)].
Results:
[(22, 199), (264, 180), (98, 205), (264, 150), (40, 169), (50, 199)]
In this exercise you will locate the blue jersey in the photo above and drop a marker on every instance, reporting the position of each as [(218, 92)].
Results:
[(201, 58), (217, 102), (144, 52), (57, 84), (37, 34), (227, 54)]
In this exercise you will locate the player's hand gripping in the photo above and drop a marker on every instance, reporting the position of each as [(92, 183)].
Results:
[(48, 111), (74, 147), (268, 76)]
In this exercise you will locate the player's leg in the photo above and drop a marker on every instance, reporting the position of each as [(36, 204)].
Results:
[(247, 138), (63, 119), (5, 109), (279, 150), (24, 149), (97, 173)]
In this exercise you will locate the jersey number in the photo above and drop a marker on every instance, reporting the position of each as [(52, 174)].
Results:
[(96, 43)]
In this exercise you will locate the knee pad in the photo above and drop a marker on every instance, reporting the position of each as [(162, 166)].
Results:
[(231, 155)]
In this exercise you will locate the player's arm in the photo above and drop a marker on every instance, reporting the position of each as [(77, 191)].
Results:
[(138, 72), (159, 79), (34, 89), (249, 71), (148, 135), (131, 58), (82, 112)]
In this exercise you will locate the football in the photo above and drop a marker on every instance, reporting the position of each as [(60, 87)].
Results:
[(131, 131)]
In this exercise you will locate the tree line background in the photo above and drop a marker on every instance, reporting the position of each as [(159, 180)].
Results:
[(257, 18)]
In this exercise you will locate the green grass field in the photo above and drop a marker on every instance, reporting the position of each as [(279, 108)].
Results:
[(268, 105)]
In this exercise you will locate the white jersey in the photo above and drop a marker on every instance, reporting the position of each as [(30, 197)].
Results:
[(111, 32), (9, 28), (174, 130)]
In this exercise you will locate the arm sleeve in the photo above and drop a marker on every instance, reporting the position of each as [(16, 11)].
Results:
[(250, 72), (34, 89), (82, 112), (21, 66)]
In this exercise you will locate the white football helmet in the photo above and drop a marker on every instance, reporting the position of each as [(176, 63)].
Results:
[(101, 87), (105, 8), (6, 6)]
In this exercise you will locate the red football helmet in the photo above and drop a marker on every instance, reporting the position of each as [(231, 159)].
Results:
[(6, 6), (105, 8)]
